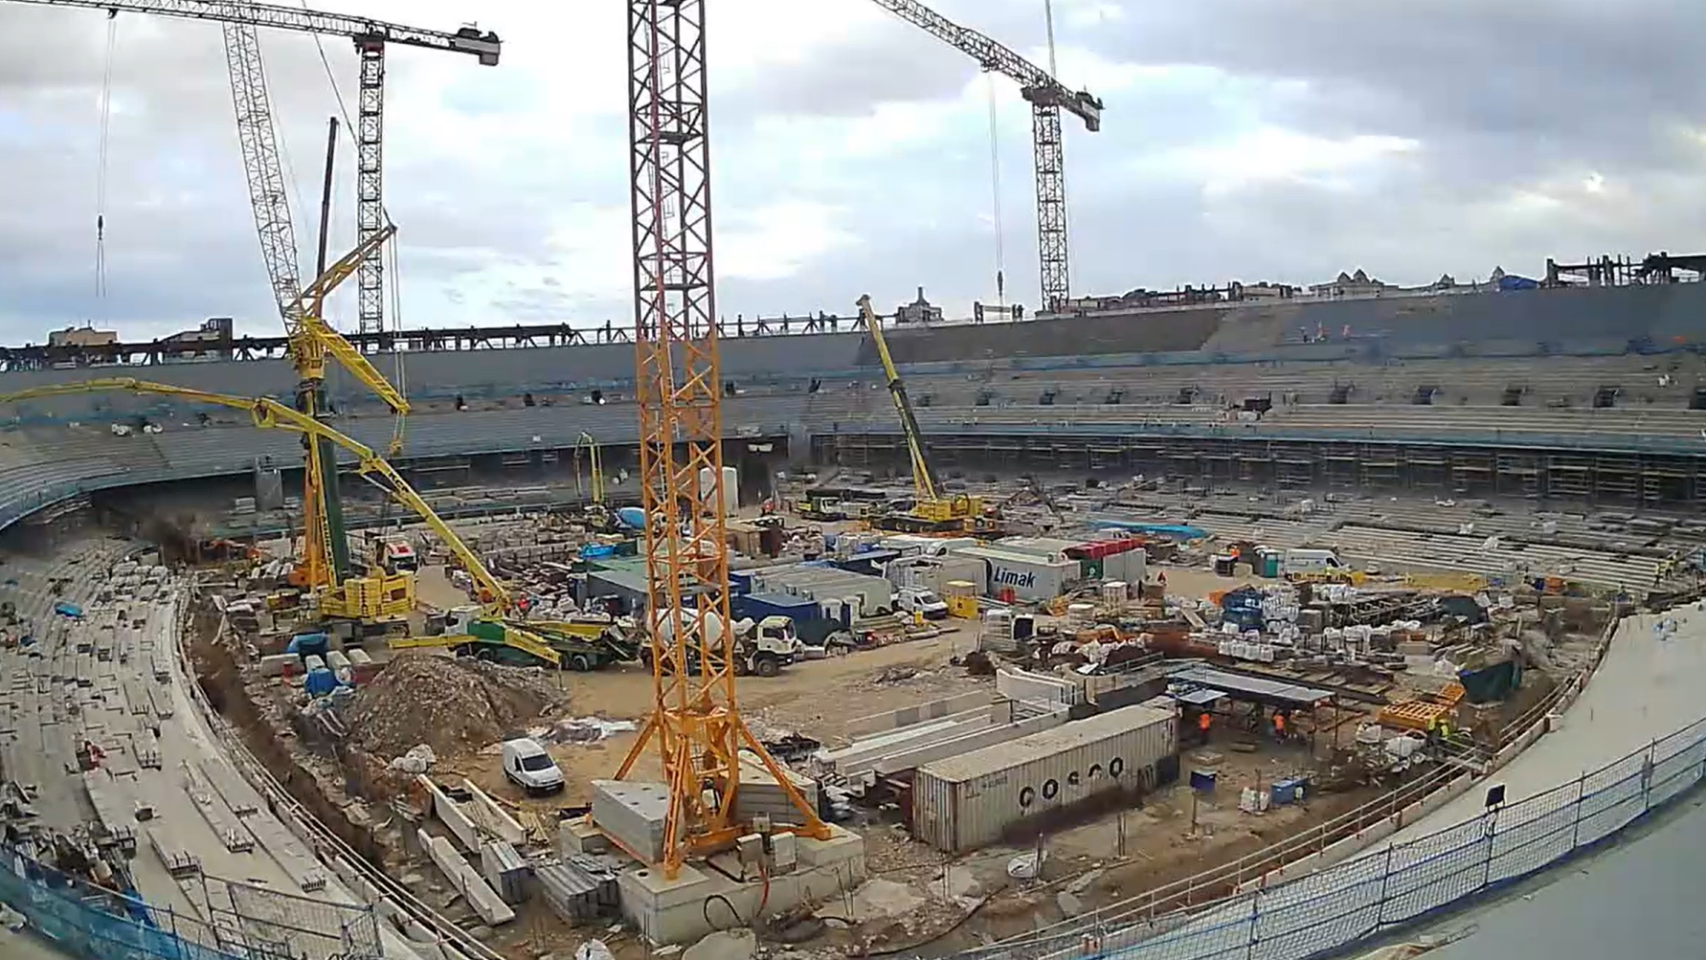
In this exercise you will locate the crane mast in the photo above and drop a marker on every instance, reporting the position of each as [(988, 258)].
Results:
[(695, 727), (1047, 97), (254, 117)]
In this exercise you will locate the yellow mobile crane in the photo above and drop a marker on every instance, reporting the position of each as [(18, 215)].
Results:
[(489, 627), (931, 511), (325, 565)]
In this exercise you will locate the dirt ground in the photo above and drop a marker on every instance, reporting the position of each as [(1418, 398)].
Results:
[(813, 698)]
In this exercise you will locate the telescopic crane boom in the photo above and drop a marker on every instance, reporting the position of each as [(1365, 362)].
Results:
[(931, 510), (1047, 97), (267, 188), (270, 414), (923, 478)]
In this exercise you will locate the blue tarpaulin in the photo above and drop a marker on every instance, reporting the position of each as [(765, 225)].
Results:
[(1177, 531)]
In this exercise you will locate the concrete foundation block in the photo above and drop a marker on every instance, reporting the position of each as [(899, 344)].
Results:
[(673, 911)]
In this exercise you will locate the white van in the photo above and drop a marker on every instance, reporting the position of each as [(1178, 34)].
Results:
[(1310, 561), (915, 600), (528, 766)]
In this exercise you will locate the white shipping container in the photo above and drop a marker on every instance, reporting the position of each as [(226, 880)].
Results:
[(1131, 566), (973, 800), (1030, 577), (731, 487), (934, 573)]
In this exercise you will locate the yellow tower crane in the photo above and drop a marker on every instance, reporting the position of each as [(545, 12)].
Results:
[(695, 730)]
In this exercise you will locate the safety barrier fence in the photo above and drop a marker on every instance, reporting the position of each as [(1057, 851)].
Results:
[(96, 923)]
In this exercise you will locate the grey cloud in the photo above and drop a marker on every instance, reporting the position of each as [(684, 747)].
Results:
[(1496, 93)]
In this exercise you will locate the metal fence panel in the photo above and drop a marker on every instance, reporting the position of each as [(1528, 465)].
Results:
[(1534, 832), (1610, 809), (1335, 906), (310, 927), (1675, 773), (1221, 938), (1424, 870)]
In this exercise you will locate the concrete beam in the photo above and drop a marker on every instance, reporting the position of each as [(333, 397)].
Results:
[(466, 880), (450, 813), (491, 817)]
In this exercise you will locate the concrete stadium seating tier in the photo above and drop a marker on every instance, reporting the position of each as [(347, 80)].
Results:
[(1134, 374)]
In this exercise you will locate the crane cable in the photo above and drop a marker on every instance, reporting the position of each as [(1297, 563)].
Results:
[(995, 176), (106, 109)]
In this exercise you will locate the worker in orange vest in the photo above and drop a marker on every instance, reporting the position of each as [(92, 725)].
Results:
[(1279, 726), (1203, 725)]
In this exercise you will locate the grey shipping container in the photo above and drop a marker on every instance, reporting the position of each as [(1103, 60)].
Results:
[(973, 800)]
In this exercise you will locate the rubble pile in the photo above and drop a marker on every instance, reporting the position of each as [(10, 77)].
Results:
[(451, 705)]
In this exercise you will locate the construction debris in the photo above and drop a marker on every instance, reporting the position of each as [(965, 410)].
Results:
[(451, 706)]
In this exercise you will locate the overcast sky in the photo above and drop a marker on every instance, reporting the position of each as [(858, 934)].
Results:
[(1243, 139)]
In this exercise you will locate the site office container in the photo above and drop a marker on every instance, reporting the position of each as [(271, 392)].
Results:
[(976, 799), (874, 595)]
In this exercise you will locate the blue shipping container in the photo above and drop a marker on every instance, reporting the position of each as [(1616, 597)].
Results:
[(761, 605)]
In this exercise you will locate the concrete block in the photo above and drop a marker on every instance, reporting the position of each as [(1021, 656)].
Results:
[(505, 871), (580, 835), (632, 814), (672, 911), (761, 794)]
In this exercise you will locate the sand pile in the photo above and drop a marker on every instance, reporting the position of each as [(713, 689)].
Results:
[(452, 705)]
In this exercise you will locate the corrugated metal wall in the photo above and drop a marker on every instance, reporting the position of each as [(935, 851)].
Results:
[(958, 816)]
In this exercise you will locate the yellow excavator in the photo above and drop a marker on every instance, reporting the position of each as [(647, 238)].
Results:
[(932, 511), (490, 627)]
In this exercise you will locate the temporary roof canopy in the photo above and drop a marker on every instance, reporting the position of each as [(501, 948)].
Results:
[(1273, 693)]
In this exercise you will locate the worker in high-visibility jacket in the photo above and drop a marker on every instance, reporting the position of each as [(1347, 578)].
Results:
[(1203, 723)]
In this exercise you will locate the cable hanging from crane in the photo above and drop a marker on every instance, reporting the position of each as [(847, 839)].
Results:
[(106, 109), (995, 206)]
